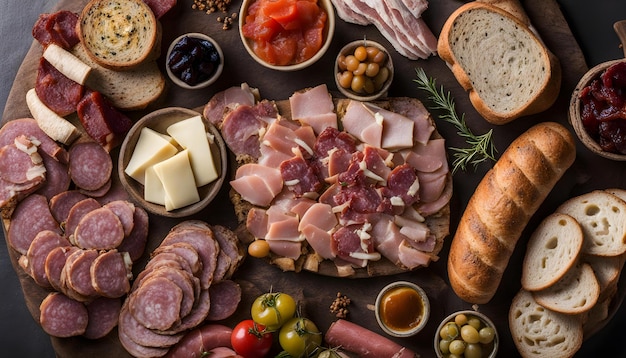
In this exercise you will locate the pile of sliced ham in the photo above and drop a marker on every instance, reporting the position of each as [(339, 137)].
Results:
[(352, 191), (399, 21)]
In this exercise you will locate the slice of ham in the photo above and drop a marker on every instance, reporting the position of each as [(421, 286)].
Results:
[(226, 100), (314, 107), (257, 184)]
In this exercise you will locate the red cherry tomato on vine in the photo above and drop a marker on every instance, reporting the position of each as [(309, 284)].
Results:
[(251, 340)]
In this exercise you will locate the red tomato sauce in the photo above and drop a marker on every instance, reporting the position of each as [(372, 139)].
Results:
[(285, 32)]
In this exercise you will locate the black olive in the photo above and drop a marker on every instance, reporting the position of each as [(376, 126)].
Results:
[(206, 68), (196, 53), (182, 64), (189, 76)]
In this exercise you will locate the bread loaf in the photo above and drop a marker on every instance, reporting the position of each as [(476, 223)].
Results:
[(498, 59), (553, 248), (501, 206)]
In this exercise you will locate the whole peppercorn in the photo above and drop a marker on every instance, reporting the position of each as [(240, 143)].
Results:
[(339, 307)]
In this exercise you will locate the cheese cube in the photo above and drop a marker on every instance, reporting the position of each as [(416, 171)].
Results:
[(150, 149), (153, 189), (191, 134), (178, 182)]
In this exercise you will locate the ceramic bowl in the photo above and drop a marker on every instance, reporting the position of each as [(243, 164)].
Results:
[(383, 88), (402, 309), (159, 120), (216, 72), (328, 33), (575, 108), (490, 350)]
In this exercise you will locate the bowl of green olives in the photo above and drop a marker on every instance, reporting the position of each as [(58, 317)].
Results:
[(363, 70), (468, 334)]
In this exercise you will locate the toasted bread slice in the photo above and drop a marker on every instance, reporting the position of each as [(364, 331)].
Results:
[(576, 292), (552, 249), (498, 59)]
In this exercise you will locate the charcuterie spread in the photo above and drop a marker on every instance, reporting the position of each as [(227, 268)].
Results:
[(313, 196)]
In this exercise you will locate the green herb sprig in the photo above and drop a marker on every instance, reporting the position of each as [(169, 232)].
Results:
[(481, 147)]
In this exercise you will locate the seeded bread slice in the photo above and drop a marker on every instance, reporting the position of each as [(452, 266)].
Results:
[(504, 66), (119, 34), (577, 292), (602, 217), (552, 249), (540, 332)]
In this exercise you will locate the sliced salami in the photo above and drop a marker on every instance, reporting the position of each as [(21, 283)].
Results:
[(137, 350), (43, 243), (58, 28), (77, 212), (102, 122), (20, 162), (30, 128), (57, 91), (57, 178), (76, 275), (55, 261), (164, 259), (156, 303), (229, 246), (135, 242), (100, 192), (198, 314), (61, 316), (62, 203), (225, 298), (90, 165), (99, 229), (110, 274), (125, 211), (103, 314), (185, 251), (31, 216), (143, 336), (200, 340)]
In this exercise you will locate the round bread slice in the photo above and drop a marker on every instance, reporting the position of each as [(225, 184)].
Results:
[(552, 249), (540, 332), (602, 217), (577, 292), (607, 270), (118, 34)]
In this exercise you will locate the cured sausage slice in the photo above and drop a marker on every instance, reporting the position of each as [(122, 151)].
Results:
[(229, 246), (42, 245), (189, 285), (57, 178), (102, 122), (156, 303), (58, 28), (30, 128), (77, 212), (99, 229), (55, 309), (185, 251), (137, 350), (125, 211), (31, 216), (110, 274), (135, 243), (103, 314), (55, 261), (76, 275), (141, 335), (225, 298), (90, 165), (62, 203), (56, 91), (200, 340), (100, 192), (21, 163), (198, 314)]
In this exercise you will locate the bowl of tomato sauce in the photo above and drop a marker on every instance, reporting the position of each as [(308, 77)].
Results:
[(286, 35)]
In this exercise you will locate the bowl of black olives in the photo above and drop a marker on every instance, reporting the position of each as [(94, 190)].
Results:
[(194, 60)]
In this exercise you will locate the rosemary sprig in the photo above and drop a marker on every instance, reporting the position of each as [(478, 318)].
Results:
[(481, 147)]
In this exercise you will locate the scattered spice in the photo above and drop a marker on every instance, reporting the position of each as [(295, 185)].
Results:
[(339, 307), (212, 6)]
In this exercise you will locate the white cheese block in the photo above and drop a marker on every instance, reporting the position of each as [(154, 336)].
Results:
[(178, 181), (153, 188), (191, 134), (151, 148)]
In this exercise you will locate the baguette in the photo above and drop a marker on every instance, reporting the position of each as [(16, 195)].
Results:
[(501, 207), (498, 59)]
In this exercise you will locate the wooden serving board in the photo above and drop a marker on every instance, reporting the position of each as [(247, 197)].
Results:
[(316, 291)]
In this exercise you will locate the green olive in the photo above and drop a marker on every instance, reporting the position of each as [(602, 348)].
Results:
[(372, 69), (451, 330), (352, 63), (444, 346), (381, 77), (473, 350), (457, 346), (469, 334), (358, 83), (360, 69), (345, 79), (475, 322), (360, 53), (487, 335), (460, 319)]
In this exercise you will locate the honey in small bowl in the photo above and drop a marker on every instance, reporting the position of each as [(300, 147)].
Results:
[(402, 309)]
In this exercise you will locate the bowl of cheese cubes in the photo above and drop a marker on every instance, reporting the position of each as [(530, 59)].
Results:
[(173, 162)]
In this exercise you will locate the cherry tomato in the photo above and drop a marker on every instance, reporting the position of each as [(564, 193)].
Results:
[(300, 337), (273, 309), (251, 340)]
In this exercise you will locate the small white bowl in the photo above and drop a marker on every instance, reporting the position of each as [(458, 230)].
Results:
[(469, 313), (217, 72), (402, 303), (328, 32)]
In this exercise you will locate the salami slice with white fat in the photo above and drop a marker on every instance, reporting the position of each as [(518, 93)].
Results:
[(20, 162), (143, 336), (156, 303), (42, 244), (31, 216), (103, 314), (99, 229), (62, 203), (77, 212), (61, 316), (55, 261), (30, 128), (90, 165), (111, 273), (225, 298), (125, 211), (135, 242)]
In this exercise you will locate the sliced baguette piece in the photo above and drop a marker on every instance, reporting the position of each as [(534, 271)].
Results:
[(553, 248), (602, 217), (127, 90), (540, 332), (499, 60), (576, 292), (119, 34), (608, 270)]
